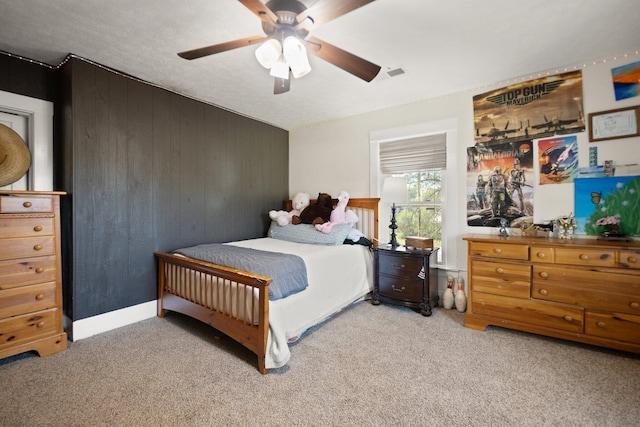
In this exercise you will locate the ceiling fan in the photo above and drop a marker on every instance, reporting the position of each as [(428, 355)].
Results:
[(286, 24)]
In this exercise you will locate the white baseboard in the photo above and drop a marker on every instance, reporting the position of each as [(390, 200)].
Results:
[(95, 325)]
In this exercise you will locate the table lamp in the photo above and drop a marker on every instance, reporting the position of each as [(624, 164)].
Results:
[(394, 190)]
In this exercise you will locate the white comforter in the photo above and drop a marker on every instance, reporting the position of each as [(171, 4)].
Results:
[(338, 275)]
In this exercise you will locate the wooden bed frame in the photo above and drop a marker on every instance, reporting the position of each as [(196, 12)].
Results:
[(180, 279)]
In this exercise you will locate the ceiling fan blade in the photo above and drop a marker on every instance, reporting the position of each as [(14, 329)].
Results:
[(341, 58), (327, 10), (281, 85), (262, 11), (222, 47)]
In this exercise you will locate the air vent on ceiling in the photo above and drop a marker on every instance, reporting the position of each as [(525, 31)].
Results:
[(395, 72)]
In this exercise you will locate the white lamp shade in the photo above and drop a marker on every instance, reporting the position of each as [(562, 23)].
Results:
[(268, 53), (394, 190), (280, 69), (296, 56)]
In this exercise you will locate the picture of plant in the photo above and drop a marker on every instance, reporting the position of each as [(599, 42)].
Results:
[(599, 198)]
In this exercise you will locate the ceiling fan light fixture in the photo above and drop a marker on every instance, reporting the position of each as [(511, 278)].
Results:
[(280, 69), (296, 56), (268, 53)]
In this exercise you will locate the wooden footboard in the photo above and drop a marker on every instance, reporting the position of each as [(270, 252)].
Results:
[(233, 301)]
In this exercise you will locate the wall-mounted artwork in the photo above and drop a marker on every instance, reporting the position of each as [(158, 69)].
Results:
[(602, 198), (558, 160), (499, 183), (626, 81), (530, 110)]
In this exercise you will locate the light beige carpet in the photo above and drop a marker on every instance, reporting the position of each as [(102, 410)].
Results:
[(382, 366)]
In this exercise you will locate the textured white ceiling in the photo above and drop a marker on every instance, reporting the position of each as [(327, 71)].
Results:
[(444, 47)]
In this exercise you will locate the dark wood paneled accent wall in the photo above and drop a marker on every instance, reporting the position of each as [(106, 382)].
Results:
[(148, 170)]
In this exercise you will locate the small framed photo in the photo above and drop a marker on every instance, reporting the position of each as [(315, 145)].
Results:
[(614, 124)]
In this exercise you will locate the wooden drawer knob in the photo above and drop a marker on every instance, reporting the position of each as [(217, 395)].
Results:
[(544, 292), (568, 318), (499, 270), (39, 270), (543, 274), (27, 204), (40, 324), (584, 257), (601, 324), (541, 255), (37, 248), (37, 228), (497, 251), (632, 260), (40, 297), (634, 305)]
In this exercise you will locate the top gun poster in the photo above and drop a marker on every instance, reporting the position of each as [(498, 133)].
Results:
[(530, 110)]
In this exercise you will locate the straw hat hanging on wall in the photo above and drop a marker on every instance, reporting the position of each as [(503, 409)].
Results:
[(15, 157)]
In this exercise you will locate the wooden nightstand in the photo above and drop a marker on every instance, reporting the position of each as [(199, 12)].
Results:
[(397, 278)]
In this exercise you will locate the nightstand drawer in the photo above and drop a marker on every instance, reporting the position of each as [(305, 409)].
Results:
[(400, 266), (401, 288)]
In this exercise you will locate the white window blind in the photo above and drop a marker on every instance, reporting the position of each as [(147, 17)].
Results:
[(414, 154)]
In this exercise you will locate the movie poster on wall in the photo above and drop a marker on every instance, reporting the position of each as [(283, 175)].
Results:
[(499, 179), (529, 110), (558, 160)]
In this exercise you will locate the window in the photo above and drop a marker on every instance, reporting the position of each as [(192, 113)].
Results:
[(421, 161)]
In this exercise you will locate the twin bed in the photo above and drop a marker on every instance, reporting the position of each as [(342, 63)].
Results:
[(237, 301)]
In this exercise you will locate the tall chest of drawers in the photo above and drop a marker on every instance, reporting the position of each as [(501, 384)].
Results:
[(30, 273), (584, 290)]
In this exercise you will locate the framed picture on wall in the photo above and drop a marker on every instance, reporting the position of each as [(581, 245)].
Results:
[(613, 124)]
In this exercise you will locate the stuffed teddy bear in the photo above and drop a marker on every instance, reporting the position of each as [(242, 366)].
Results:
[(317, 213), (298, 203), (340, 215)]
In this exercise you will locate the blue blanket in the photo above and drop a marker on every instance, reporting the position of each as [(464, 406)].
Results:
[(288, 273)]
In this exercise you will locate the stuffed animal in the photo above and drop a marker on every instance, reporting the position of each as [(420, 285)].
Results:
[(316, 213), (298, 203), (340, 215)]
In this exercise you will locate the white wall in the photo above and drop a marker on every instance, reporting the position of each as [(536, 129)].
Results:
[(334, 156)]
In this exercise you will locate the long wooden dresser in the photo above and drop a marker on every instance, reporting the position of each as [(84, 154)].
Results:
[(30, 273), (584, 290)]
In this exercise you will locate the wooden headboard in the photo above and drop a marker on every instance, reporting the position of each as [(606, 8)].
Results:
[(365, 208)]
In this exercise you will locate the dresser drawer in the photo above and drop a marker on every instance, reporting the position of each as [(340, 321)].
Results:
[(553, 315), (499, 250), (20, 272), (25, 204), (27, 299), (586, 256), (26, 227), (403, 289), (27, 247), (588, 288), (543, 254), (399, 266), (20, 329), (629, 258), (501, 278), (617, 326)]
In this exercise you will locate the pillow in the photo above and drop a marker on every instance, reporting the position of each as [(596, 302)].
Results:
[(307, 233)]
